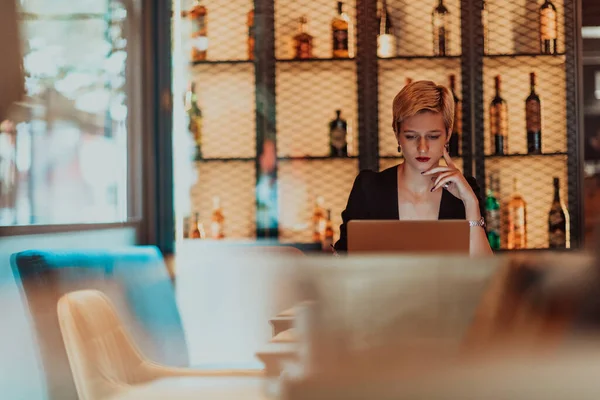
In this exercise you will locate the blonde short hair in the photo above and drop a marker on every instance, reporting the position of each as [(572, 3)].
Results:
[(422, 96)]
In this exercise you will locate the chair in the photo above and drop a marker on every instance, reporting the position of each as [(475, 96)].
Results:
[(136, 280), (104, 359)]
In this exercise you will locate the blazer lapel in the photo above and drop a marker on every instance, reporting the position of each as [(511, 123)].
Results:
[(389, 194)]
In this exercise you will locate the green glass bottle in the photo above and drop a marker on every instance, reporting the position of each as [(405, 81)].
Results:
[(492, 209)]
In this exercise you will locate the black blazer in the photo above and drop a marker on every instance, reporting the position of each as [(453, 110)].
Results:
[(374, 195)]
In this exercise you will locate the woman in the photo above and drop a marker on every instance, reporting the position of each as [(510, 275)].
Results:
[(419, 188)]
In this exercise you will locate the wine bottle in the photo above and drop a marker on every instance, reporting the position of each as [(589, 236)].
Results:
[(517, 219), (455, 138), (194, 117), (492, 211), (251, 34), (340, 28), (328, 235), (338, 131), (217, 225), (386, 39), (548, 28), (533, 119), (318, 220), (558, 221), (199, 38), (303, 42), (499, 121), (441, 25)]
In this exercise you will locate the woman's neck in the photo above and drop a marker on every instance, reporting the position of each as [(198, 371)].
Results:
[(412, 179)]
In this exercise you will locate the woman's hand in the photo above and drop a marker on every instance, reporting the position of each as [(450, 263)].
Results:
[(451, 179)]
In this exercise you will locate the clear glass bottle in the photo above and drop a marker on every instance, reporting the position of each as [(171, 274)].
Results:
[(217, 224), (328, 235), (338, 134), (198, 15), (341, 31), (303, 41), (194, 114), (318, 220), (517, 219), (441, 25), (386, 38), (548, 28)]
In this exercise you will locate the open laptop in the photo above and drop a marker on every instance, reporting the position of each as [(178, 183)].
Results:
[(394, 236)]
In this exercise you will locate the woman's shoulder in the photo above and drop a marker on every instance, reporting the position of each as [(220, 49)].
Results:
[(370, 177)]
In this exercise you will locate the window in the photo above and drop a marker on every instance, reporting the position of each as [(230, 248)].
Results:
[(63, 149)]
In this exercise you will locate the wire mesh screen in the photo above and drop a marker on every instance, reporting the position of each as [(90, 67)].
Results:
[(315, 78), (310, 86), (226, 97), (523, 79), (307, 97), (219, 112), (514, 26), (233, 182), (525, 119), (301, 183), (415, 26), (515, 75), (319, 15), (394, 75), (226, 25), (535, 184)]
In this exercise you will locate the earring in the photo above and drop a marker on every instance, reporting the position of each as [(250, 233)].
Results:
[(399, 149), (447, 146)]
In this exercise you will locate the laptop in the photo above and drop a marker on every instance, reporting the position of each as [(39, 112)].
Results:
[(395, 236)]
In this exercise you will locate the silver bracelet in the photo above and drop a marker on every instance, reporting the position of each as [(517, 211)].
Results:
[(481, 223)]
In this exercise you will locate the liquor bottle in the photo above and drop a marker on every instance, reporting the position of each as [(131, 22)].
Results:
[(441, 25), (386, 40), (455, 142), (303, 42), (199, 38), (499, 121), (558, 221), (338, 131), (492, 217), (517, 220), (328, 235), (485, 25), (194, 117), (318, 220), (548, 28), (217, 220), (251, 33), (186, 227), (197, 228), (533, 119), (340, 28)]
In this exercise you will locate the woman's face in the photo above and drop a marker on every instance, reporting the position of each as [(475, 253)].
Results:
[(423, 137)]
